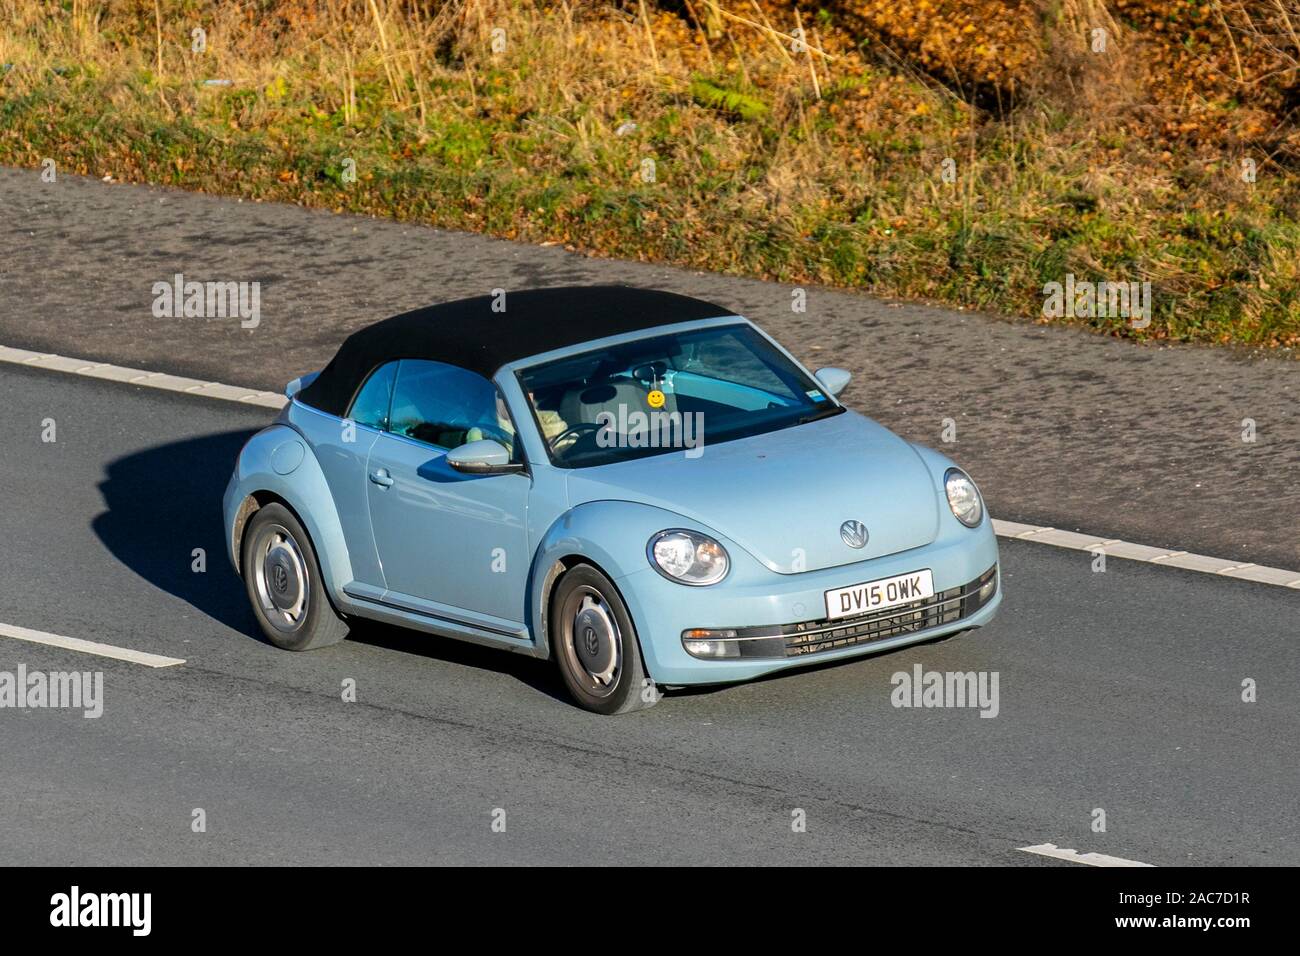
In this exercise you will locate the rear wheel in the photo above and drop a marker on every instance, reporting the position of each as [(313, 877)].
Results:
[(596, 646), (284, 583)]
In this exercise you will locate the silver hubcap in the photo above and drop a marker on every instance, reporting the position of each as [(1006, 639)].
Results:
[(594, 640), (280, 577)]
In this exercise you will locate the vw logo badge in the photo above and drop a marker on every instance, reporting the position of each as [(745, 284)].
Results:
[(854, 534), (280, 578)]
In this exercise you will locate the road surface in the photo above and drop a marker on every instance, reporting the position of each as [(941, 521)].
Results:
[(1118, 690)]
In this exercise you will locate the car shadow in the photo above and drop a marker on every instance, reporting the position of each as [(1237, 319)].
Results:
[(538, 675), (162, 503)]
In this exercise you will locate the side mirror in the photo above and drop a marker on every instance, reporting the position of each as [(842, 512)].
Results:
[(833, 379), (484, 457)]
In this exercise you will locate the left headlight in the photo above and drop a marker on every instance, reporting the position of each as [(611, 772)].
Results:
[(963, 497), (688, 557)]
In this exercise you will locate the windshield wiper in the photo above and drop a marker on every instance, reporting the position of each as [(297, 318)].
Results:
[(824, 413)]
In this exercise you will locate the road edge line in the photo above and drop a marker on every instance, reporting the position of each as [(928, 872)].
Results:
[(1165, 557), (141, 377)]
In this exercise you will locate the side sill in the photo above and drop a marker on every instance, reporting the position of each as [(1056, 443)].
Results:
[(369, 602)]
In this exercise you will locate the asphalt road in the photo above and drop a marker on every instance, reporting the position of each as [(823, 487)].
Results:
[(1118, 690), (1058, 426)]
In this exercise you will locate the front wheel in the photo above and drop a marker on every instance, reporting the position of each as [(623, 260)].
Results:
[(596, 646), (284, 583)]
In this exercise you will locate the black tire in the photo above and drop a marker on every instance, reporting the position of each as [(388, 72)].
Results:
[(284, 583), (583, 607)]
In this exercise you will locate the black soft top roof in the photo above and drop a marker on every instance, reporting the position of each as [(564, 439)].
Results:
[(469, 334)]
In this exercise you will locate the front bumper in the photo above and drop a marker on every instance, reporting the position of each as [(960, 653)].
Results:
[(785, 641), (781, 619)]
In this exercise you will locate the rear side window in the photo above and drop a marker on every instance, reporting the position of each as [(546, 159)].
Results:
[(370, 407)]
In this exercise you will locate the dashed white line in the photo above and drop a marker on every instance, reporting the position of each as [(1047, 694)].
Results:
[(1073, 540), (88, 647), (1074, 856)]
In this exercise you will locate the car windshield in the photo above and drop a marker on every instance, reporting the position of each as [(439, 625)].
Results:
[(669, 392)]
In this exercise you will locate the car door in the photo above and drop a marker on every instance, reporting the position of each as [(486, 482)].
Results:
[(450, 544), (342, 448)]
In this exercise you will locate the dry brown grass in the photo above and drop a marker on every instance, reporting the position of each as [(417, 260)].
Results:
[(821, 165)]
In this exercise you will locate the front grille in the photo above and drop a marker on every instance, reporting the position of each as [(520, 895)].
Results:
[(813, 637), (945, 607), (826, 635)]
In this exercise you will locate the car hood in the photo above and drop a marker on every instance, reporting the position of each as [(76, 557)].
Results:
[(782, 496)]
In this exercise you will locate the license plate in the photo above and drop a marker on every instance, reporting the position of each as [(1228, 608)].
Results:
[(876, 595)]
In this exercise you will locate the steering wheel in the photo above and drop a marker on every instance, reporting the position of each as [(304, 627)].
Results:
[(575, 431)]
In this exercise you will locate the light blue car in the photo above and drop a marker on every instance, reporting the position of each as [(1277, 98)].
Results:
[(641, 486)]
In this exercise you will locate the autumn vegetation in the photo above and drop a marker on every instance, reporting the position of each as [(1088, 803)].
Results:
[(960, 151)]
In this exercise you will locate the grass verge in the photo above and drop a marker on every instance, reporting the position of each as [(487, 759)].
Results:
[(701, 135)]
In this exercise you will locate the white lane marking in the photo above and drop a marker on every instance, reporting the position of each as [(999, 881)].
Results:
[(88, 647), (141, 377), (1074, 856), (1073, 540), (1114, 548)]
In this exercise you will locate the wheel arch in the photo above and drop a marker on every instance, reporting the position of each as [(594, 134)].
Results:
[(301, 488), (254, 502), (553, 571), (610, 536)]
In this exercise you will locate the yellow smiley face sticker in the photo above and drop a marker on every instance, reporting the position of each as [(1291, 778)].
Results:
[(655, 398)]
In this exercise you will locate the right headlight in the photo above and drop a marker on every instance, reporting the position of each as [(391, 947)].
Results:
[(688, 557), (963, 497)]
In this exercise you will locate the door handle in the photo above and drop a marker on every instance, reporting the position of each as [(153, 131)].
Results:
[(382, 478)]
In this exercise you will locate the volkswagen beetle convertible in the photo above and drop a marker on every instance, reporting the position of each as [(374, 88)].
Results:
[(641, 486)]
